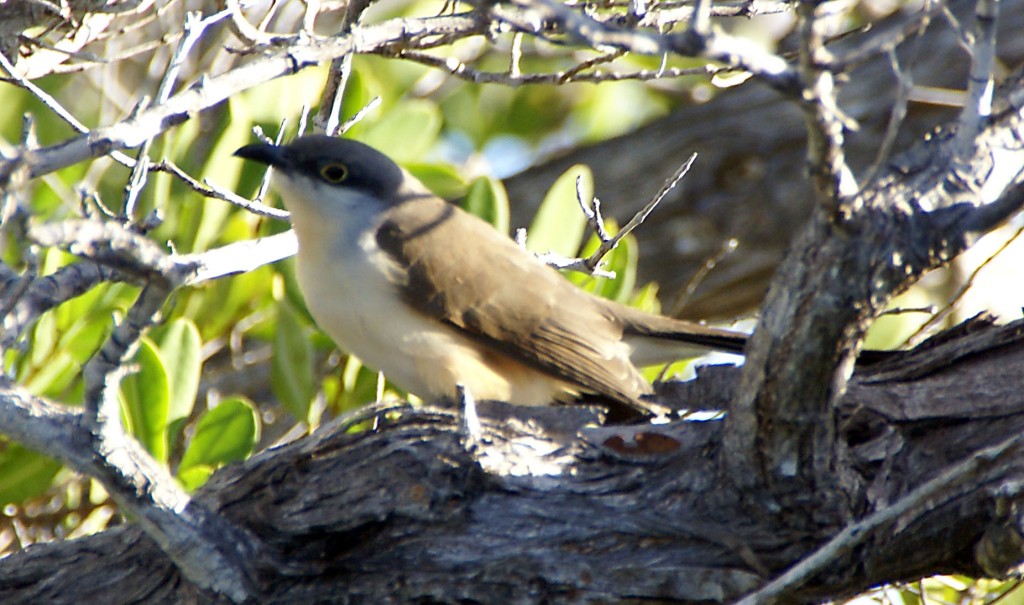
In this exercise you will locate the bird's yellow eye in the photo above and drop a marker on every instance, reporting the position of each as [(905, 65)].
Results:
[(334, 173)]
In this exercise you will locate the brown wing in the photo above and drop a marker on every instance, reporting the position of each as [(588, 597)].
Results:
[(479, 281)]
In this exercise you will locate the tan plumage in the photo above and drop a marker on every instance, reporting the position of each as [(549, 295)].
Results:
[(435, 297)]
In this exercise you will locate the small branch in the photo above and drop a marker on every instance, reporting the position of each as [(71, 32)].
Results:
[(104, 370), (980, 86), (328, 119), (210, 190), (728, 247), (47, 292), (578, 73), (899, 111), (832, 178), (239, 257), (41, 425), (515, 56), (563, 263), (885, 43), (194, 29), (590, 265), (609, 244), (54, 106), (856, 534), (537, 17), (904, 76), (372, 104), (243, 29), (113, 245), (947, 309), (666, 187)]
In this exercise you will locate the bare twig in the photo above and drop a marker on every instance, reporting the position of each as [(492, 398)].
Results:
[(328, 119), (372, 104), (194, 29), (608, 244), (857, 533), (515, 56), (896, 116), (239, 257), (916, 25), (727, 248), (830, 174), (265, 181), (980, 86), (578, 73), (535, 17), (245, 30), (210, 190), (950, 306), (55, 106)]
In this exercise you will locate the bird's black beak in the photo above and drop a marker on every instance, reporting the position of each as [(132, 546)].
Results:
[(263, 153)]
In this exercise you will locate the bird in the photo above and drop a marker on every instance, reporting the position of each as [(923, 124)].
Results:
[(439, 300)]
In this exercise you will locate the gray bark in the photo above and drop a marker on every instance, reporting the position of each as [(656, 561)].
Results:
[(538, 508)]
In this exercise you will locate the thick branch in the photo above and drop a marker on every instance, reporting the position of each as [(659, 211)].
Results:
[(842, 270), (534, 512)]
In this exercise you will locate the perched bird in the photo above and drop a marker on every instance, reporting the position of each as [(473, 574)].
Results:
[(435, 297)]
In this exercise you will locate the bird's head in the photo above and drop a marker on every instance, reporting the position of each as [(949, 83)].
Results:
[(318, 171)]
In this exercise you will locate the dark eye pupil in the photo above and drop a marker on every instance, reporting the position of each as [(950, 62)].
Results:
[(334, 173)]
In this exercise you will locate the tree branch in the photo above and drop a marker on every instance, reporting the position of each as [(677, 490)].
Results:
[(532, 511)]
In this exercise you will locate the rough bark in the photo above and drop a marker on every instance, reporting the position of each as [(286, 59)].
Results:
[(538, 508)]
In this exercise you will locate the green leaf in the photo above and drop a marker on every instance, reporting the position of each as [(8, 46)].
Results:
[(24, 474), (442, 179), (44, 338), (181, 348), (219, 305), (285, 96), (559, 223), (145, 397), (291, 371), (406, 132), (358, 385), (53, 377), (488, 200), (225, 170), (227, 433), (646, 298), (194, 476), (616, 108)]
